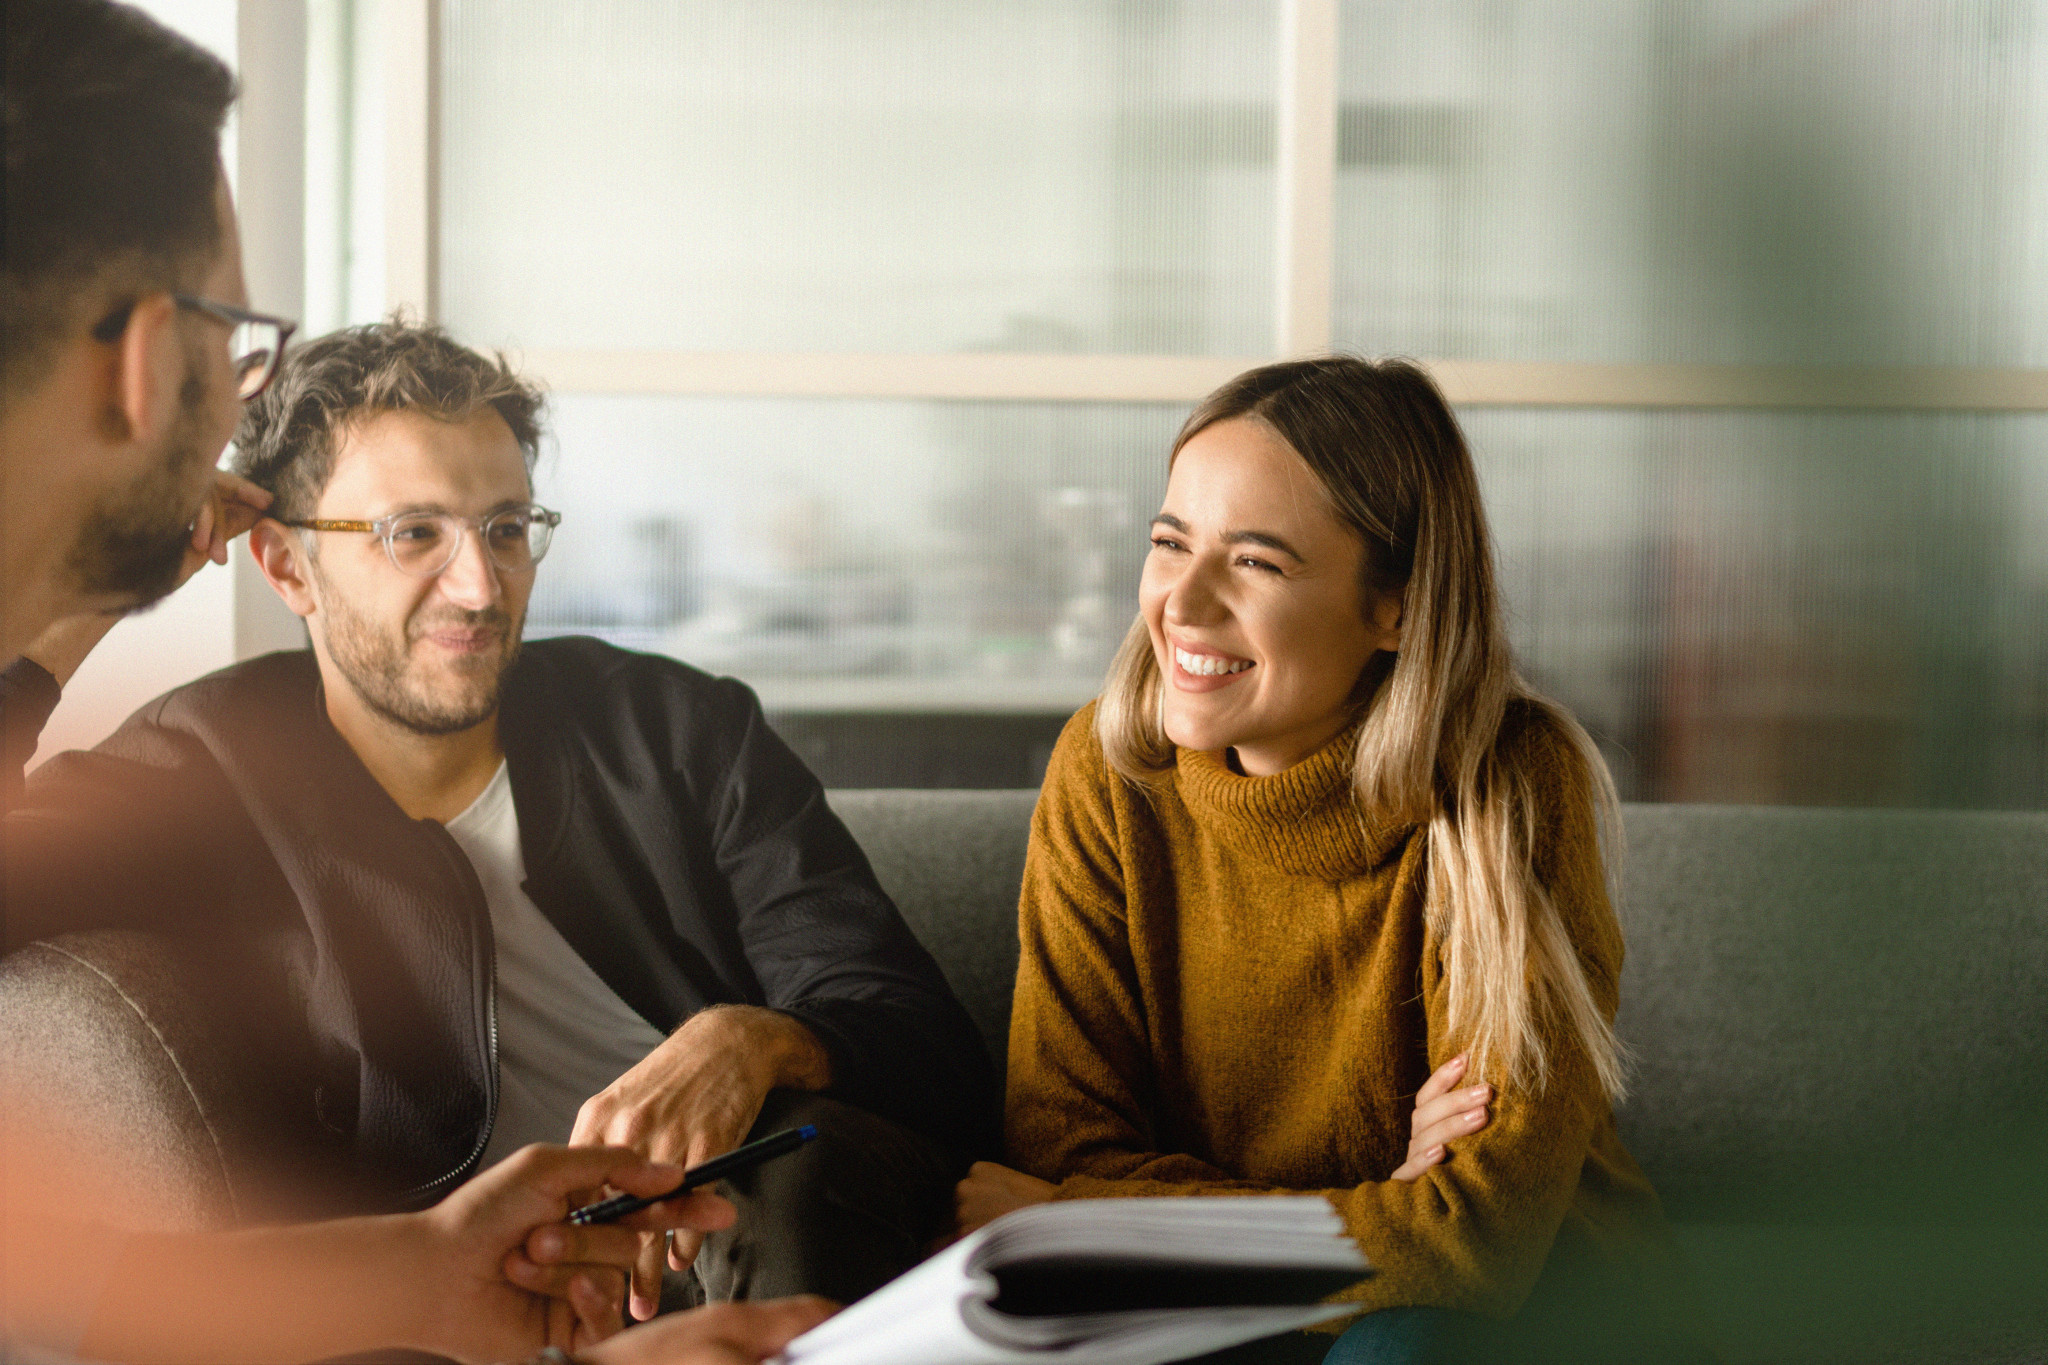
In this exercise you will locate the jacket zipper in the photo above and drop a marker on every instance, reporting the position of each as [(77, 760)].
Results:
[(428, 1192)]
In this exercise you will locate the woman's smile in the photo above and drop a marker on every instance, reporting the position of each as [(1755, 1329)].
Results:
[(1248, 556), (1200, 669)]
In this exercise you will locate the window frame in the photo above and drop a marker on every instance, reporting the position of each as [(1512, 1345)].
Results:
[(1302, 300)]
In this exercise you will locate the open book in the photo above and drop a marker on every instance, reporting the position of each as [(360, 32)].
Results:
[(1105, 1282)]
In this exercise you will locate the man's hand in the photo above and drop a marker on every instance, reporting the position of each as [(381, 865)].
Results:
[(230, 509), (722, 1334), (1441, 1114), (695, 1097), (990, 1191), (503, 1275)]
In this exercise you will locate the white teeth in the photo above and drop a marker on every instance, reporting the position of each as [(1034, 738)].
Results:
[(1208, 665)]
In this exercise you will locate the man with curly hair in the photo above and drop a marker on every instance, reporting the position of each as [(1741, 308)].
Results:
[(508, 892)]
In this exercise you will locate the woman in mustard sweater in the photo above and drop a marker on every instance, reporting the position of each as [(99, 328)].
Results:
[(1315, 840)]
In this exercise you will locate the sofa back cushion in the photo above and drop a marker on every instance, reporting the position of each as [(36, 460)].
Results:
[(953, 861), (1820, 1002), (1835, 1004)]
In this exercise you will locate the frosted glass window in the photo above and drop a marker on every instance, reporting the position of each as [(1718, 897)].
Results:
[(1813, 608), (1739, 181), (943, 554), (859, 175)]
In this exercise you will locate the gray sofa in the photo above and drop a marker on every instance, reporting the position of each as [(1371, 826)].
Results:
[(1840, 1020)]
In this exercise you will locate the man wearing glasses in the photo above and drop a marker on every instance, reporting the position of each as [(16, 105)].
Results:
[(141, 404), (551, 893), (126, 352)]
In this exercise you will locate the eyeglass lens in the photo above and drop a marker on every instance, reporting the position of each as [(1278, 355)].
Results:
[(255, 347), (425, 543)]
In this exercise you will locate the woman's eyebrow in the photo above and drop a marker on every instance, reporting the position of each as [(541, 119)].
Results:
[(1265, 538)]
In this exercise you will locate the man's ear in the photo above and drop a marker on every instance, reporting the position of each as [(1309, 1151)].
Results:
[(283, 558), (145, 394)]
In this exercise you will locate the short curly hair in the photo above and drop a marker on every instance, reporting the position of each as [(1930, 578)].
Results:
[(287, 439)]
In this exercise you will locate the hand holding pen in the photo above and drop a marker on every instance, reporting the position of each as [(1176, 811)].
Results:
[(739, 1159)]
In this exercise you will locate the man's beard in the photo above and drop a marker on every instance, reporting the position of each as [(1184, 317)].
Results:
[(377, 666), (133, 543)]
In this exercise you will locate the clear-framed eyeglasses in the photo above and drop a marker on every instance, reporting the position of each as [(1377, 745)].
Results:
[(422, 544)]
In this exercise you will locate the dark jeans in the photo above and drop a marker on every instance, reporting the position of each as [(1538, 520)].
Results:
[(1440, 1336), (841, 1216), (1422, 1336)]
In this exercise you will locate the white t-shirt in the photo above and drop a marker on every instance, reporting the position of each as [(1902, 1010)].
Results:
[(563, 1035)]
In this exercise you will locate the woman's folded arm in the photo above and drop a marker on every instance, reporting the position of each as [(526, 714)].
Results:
[(1471, 1233)]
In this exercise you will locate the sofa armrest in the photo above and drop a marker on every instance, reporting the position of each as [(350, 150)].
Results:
[(102, 1034)]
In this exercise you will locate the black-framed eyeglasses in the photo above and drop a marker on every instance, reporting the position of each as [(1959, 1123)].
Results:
[(424, 543), (255, 340)]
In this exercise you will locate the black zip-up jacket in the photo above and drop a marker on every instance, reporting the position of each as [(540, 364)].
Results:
[(668, 833)]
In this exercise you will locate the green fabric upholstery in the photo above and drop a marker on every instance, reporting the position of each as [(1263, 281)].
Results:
[(1840, 1026), (1839, 1018)]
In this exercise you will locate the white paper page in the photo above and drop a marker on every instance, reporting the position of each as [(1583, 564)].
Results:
[(918, 1313), (921, 1317)]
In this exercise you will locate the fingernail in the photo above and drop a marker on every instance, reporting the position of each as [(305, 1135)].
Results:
[(1436, 1153), (547, 1243)]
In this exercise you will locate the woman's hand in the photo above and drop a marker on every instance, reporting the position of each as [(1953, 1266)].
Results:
[(1441, 1114), (990, 1191)]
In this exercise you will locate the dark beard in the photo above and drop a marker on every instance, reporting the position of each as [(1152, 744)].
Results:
[(376, 666), (133, 542)]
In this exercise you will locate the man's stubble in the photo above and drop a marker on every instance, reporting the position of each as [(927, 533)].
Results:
[(379, 666), (133, 541)]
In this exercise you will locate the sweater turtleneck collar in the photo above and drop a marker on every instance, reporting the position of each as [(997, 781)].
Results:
[(1302, 820)]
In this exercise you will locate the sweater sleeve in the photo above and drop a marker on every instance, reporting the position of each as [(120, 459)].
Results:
[(831, 950), (1473, 1232), (1080, 1093)]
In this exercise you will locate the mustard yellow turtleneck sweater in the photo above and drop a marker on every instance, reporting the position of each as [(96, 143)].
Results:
[(1227, 987)]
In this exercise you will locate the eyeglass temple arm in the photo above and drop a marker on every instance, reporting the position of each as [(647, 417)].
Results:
[(546, 517)]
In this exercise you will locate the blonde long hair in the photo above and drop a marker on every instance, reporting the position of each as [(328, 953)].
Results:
[(1388, 452)]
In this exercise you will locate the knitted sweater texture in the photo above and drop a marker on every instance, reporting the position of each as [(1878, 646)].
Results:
[(1227, 987)]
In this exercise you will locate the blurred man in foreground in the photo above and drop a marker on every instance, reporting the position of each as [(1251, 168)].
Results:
[(126, 348)]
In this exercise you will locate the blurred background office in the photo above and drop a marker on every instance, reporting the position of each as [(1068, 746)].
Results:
[(869, 324)]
